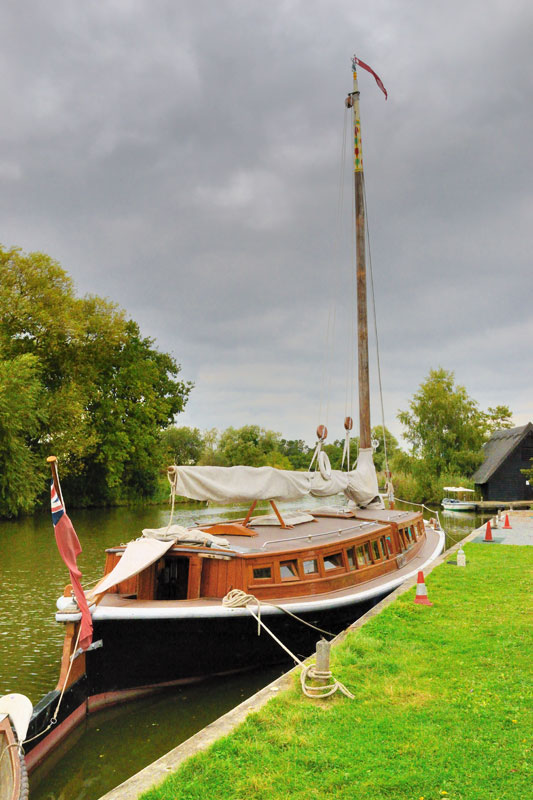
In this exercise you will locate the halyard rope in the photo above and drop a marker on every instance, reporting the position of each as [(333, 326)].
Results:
[(239, 599)]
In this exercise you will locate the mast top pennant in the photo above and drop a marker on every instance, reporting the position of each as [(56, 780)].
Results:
[(357, 62)]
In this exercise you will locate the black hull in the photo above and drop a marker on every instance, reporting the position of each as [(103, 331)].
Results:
[(138, 653), (154, 653)]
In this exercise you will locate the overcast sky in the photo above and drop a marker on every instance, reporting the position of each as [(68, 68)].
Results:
[(183, 159)]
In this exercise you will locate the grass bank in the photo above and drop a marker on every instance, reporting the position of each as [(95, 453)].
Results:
[(442, 704)]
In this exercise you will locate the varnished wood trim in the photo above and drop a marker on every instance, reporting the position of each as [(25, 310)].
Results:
[(78, 665)]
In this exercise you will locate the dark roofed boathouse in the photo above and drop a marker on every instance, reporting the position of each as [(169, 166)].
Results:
[(506, 453)]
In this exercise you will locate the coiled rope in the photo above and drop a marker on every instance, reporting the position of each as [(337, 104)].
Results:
[(239, 599)]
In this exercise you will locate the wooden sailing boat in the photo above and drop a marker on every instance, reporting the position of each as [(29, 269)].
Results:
[(161, 614)]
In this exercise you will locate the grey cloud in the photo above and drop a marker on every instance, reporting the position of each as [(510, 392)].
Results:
[(182, 159)]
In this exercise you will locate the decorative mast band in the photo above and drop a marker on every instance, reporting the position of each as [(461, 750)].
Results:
[(353, 102)]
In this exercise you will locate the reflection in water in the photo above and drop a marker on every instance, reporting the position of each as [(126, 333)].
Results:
[(115, 743), (98, 755)]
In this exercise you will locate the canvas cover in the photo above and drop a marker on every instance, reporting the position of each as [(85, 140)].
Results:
[(138, 555), (155, 542), (246, 484)]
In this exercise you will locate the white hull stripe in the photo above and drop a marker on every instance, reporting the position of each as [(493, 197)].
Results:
[(102, 613)]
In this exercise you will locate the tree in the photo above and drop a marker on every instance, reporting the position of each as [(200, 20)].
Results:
[(107, 392), (136, 398), (444, 426), (297, 451), (22, 474), (249, 445), (182, 445), (210, 456), (496, 419), (379, 453)]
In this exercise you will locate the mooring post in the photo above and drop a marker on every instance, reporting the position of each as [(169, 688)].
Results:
[(322, 671)]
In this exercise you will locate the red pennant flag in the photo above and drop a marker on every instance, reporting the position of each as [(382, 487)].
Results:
[(69, 547), (369, 69)]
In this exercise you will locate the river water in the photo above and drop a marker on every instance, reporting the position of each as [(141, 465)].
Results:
[(98, 756)]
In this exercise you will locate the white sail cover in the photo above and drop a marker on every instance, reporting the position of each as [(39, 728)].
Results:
[(246, 484)]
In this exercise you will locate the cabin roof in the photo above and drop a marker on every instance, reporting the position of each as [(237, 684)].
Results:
[(498, 448), (318, 533)]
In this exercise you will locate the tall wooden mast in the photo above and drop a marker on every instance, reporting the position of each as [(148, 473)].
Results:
[(352, 101)]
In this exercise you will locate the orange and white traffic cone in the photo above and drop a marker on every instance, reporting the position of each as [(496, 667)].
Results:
[(507, 524), (488, 533), (421, 596)]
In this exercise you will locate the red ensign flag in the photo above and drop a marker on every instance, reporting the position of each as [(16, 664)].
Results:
[(69, 547)]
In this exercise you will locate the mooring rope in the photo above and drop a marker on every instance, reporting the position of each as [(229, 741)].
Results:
[(239, 599)]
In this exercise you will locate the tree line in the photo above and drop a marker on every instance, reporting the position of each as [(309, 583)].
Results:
[(255, 446), (80, 381)]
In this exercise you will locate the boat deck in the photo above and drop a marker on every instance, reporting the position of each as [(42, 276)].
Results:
[(321, 530)]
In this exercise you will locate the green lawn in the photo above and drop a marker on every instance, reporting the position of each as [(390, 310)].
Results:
[(442, 704)]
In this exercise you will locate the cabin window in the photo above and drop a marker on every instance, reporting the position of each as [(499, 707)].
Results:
[(368, 554), (361, 556), (262, 573), (406, 537), (333, 561), (288, 570), (384, 547), (310, 566), (376, 551), (350, 553)]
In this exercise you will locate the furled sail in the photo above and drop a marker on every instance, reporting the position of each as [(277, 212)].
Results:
[(246, 484)]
